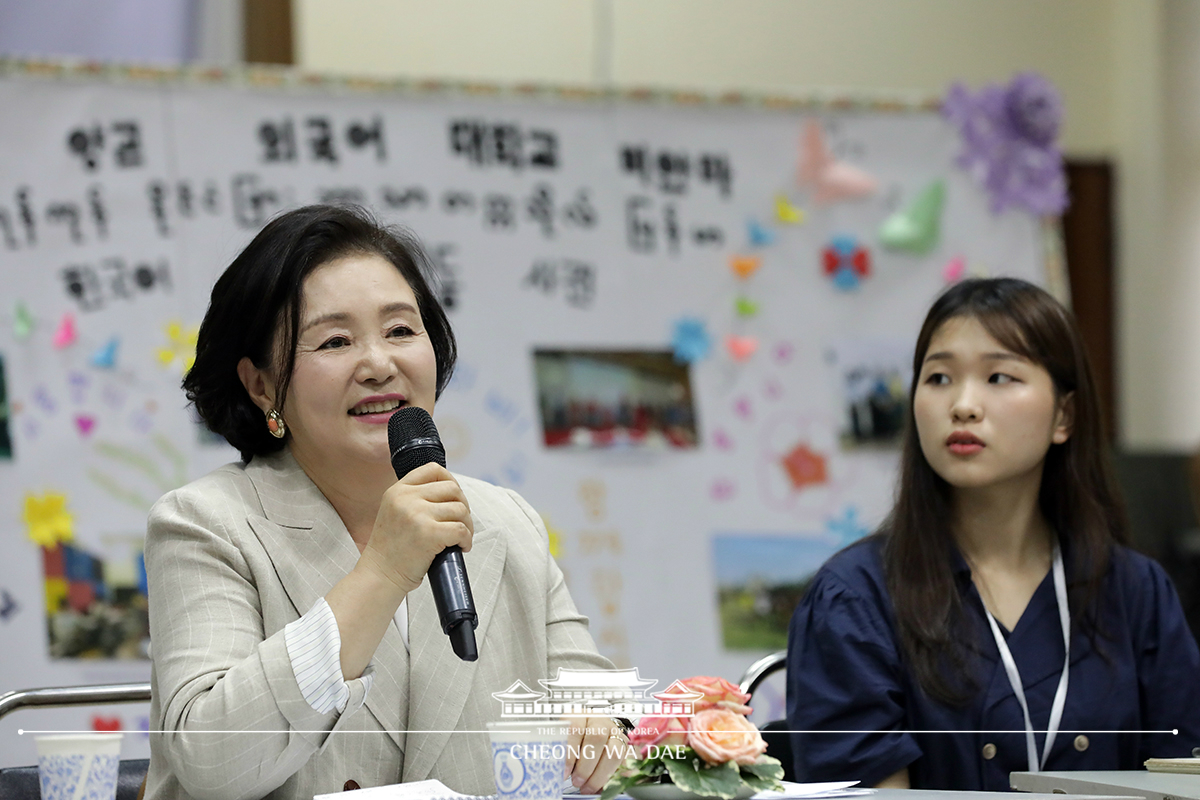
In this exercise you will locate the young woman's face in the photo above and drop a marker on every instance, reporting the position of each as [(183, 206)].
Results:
[(362, 352), (985, 415)]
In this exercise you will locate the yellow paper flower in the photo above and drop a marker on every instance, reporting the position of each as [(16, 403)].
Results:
[(181, 344), (48, 520)]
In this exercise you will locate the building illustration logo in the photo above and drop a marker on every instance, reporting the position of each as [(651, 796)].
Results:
[(598, 692)]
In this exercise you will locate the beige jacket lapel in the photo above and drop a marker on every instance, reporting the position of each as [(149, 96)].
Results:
[(440, 682), (311, 551)]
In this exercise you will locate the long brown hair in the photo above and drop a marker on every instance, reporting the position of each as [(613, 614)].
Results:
[(1078, 495)]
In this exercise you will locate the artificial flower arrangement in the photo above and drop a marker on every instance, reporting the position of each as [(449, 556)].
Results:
[(717, 752)]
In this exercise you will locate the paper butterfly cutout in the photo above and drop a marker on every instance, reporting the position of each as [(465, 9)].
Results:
[(787, 213), (690, 340), (741, 347), (759, 235), (66, 334), (22, 322), (181, 345), (106, 356), (916, 228), (832, 180), (846, 262), (744, 266)]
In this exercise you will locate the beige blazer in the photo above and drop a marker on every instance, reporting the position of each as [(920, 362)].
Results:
[(235, 556)]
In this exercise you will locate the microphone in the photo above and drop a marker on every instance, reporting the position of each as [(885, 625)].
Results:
[(413, 440)]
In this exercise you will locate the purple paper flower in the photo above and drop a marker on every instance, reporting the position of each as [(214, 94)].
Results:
[(1008, 135)]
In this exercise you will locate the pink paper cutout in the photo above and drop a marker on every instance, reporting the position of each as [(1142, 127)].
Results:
[(85, 423), (742, 408), (833, 180), (721, 440), (722, 489), (954, 270), (66, 333), (783, 352), (741, 347), (773, 390)]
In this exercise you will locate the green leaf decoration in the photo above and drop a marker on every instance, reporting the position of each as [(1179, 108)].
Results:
[(746, 307), (917, 227), (695, 776), (763, 776)]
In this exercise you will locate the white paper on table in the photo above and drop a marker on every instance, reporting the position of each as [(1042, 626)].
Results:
[(415, 790), (830, 789)]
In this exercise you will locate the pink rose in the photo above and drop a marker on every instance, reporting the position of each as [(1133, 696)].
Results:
[(720, 735), (718, 693), (660, 731)]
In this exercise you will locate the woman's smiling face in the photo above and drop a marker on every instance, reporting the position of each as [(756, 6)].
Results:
[(985, 415), (362, 352)]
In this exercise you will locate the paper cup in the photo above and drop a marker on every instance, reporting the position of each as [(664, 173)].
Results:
[(529, 758), (79, 766)]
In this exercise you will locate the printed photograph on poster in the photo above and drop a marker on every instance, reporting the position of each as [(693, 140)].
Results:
[(760, 579), (96, 606), (6, 450), (874, 378), (596, 399)]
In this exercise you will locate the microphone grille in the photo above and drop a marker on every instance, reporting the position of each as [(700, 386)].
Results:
[(413, 440)]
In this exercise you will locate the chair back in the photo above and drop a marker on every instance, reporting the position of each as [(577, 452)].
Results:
[(774, 733)]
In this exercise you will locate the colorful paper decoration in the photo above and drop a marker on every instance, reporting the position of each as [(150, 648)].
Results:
[(787, 213), (22, 322), (846, 262), (746, 307), (804, 467), (66, 334), (741, 347), (690, 341), (85, 423), (1008, 138), (916, 228), (954, 270), (106, 356), (181, 345), (832, 180), (744, 266), (47, 519), (847, 529), (759, 235)]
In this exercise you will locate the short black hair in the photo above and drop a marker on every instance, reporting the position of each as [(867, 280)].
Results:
[(259, 295)]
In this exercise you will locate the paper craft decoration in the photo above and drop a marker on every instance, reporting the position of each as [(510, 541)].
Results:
[(916, 228), (106, 356), (804, 467), (746, 307), (832, 180), (846, 262), (85, 423), (180, 344), (1009, 142), (66, 334), (47, 519), (690, 341), (744, 266), (741, 347), (787, 213), (954, 270), (758, 234), (22, 322), (847, 529)]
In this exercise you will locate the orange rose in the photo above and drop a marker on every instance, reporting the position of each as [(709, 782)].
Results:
[(661, 731), (718, 693), (721, 735)]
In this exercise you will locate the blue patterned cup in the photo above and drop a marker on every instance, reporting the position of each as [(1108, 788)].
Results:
[(79, 766), (529, 758)]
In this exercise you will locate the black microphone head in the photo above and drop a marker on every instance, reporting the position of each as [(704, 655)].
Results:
[(413, 440)]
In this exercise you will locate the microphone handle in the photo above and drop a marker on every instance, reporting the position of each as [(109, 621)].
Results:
[(455, 605)]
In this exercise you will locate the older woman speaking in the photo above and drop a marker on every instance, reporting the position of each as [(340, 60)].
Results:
[(296, 648)]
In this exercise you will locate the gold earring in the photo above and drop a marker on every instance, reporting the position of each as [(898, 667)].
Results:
[(276, 425)]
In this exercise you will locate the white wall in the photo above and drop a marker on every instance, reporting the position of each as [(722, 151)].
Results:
[(1126, 68)]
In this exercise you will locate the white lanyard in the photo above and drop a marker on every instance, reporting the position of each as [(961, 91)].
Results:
[(1014, 677)]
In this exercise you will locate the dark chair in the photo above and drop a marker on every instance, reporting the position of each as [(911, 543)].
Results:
[(21, 783), (774, 733)]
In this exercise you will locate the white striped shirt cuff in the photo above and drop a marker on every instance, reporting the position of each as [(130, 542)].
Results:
[(314, 645)]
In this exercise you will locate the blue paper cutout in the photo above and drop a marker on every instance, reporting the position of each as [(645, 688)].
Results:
[(106, 356), (847, 529), (846, 279), (760, 235), (690, 341)]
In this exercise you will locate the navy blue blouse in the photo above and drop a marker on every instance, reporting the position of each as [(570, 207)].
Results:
[(845, 674)]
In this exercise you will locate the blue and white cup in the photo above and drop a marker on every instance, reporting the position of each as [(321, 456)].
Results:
[(79, 766), (529, 758)]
